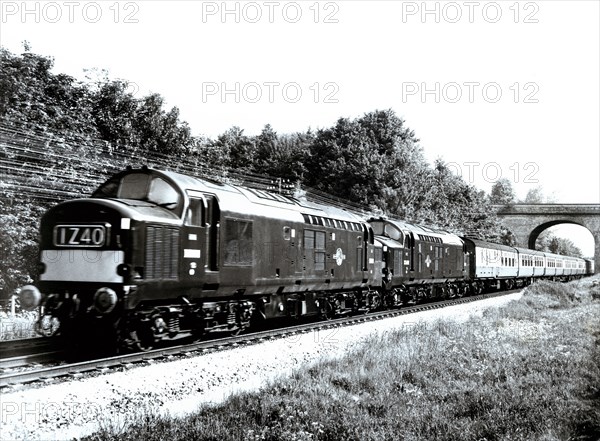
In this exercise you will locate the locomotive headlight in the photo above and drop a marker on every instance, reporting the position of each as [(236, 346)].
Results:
[(125, 223), (29, 297), (105, 300)]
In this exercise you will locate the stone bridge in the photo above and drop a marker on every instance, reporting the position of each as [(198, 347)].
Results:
[(527, 221)]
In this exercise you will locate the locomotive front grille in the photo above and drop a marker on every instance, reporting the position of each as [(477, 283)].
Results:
[(162, 252)]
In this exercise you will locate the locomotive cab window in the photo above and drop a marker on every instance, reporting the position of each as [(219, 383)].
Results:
[(142, 187), (163, 194), (134, 186)]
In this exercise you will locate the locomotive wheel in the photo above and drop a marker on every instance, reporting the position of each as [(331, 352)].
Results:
[(142, 340), (328, 311), (460, 291)]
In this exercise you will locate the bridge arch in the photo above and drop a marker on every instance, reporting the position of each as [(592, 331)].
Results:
[(535, 233), (527, 221)]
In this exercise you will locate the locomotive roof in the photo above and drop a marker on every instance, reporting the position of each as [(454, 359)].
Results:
[(237, 198), (447, 237)]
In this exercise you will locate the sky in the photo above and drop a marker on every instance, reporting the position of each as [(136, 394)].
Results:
[(496, 89)]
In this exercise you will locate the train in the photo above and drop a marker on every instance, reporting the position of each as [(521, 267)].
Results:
[(153, 255)]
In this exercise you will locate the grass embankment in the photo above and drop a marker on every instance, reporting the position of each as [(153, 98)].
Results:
[(527, 371)]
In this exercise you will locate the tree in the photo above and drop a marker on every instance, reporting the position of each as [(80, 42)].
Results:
[(536, 196), (371, 161), (452, 204), (18, 246), (115, 110), (280, 155), (547, 241), (502, 192), (236, 148), (157, 131), (33, 97)]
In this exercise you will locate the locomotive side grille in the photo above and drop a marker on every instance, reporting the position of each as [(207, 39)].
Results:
[(162, 252)]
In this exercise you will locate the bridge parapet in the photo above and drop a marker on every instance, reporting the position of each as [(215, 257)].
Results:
[(541, 209)]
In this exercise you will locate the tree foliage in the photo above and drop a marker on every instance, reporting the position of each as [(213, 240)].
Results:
[(502, 192), (31, 94), (363, 159), (549, 242), (536, 196)]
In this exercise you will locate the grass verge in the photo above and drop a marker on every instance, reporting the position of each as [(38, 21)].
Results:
[(526, 371)]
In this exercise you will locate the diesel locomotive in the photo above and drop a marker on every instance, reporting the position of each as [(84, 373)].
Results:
[(154, 254)]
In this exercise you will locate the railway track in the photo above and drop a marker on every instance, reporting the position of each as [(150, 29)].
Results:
[(16, 347), (77, 369), (29, 352)]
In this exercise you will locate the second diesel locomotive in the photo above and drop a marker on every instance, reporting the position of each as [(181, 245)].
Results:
[(154, 254)]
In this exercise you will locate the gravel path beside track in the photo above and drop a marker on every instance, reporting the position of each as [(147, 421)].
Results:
[(78, 407)]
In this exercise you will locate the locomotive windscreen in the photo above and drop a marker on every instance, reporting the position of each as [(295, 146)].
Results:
[(141, 187)]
